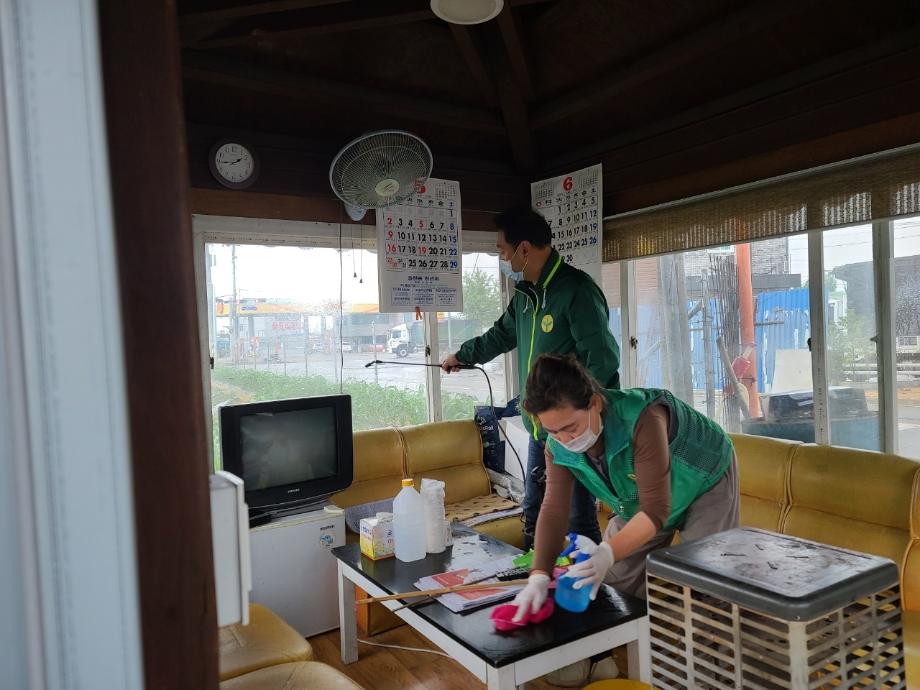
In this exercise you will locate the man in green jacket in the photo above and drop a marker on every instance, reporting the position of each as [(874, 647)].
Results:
[(556, 308)]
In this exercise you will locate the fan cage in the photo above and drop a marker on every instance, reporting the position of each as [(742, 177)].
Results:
[(374, 158)]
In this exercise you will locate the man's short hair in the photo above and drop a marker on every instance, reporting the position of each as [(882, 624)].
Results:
[(523, 223)]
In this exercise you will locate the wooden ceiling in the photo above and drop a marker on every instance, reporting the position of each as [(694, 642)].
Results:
[(658, 90)]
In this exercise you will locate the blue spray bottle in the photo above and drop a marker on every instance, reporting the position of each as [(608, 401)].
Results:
[(569, 598)]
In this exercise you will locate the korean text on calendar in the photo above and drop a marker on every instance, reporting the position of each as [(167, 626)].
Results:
[(418, 244)]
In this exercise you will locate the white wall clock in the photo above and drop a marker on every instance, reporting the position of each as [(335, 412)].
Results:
[(233, 164)]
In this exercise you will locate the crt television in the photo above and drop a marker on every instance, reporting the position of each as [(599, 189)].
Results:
[(288, 452)]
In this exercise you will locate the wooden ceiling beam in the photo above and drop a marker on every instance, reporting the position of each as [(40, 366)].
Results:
[(249, 10), (472, 56), (744, 98), (320, 17), (512, 37), (517, 125), (198, 66), (510, 99), (351, 16), (753, 18)]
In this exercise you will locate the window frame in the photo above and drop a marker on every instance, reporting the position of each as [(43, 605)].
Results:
[(885, 302), (207, 229)]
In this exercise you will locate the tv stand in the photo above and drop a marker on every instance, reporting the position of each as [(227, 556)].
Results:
[(293, 571)]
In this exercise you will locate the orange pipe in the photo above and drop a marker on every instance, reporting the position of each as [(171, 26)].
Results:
[(748, 339)]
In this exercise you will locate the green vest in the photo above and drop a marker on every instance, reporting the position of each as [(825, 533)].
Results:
[(700, 453)]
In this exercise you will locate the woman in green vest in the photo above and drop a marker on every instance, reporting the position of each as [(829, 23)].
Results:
[(659, 463)]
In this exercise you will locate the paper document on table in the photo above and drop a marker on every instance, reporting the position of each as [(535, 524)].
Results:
[(464, 601)]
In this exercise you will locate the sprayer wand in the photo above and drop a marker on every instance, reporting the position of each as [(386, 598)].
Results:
[(491, 397)]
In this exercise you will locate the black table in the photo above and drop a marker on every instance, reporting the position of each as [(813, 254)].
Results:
[(502, 660)]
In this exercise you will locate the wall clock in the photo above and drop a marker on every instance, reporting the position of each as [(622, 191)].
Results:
[(233, 164)]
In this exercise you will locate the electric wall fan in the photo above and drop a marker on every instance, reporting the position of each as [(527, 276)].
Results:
[(379, 169)]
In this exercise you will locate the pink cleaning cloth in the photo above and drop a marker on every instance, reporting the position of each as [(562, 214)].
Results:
[(502, 616)]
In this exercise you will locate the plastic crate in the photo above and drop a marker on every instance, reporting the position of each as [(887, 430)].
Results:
[(757, 610)]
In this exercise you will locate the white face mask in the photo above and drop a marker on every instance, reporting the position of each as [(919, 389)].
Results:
[(581, 444)]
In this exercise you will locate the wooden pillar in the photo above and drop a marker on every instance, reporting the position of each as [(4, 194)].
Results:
[(149, 171)]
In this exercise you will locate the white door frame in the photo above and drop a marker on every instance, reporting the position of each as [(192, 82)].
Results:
[(69, 614)]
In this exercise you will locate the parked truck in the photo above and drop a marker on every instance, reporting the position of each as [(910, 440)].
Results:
[(410, 336)]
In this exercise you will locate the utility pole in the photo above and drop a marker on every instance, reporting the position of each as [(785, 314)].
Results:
[(306, 344), (236, 310)]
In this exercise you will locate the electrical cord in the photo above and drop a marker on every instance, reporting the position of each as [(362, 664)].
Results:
[(491, 398), (406, 649)]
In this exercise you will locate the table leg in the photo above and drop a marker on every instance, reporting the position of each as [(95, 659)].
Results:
[(348, 624), (501, 678), (639, 654)]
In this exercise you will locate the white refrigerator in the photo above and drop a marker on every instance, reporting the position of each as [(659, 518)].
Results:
[(294, 571)]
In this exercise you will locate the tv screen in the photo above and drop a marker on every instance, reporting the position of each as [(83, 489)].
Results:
[(288, 451)]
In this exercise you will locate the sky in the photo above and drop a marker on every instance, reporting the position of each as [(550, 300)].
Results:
[(307, 274), (853, 245)]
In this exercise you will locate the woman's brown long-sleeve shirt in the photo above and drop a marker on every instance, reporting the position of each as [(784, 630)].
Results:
[(652, 464)]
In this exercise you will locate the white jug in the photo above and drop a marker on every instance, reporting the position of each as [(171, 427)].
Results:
[(409, 537)]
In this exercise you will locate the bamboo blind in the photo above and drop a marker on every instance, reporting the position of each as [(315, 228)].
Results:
[(862, 191)]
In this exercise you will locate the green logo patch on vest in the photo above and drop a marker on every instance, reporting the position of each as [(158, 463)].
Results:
[(547, 323)]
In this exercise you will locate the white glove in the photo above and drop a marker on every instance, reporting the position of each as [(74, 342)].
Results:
[(593, 570), (533, 596), (583, 544)]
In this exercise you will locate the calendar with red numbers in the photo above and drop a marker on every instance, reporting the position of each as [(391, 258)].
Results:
[(418, 251), (571, 205)]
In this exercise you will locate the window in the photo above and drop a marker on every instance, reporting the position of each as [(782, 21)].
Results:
[(279, 328), (482, 306), (850, 328), (610, 284), (906, 324), (743, 362)]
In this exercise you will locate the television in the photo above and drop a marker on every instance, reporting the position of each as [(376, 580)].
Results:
[(289, 453)]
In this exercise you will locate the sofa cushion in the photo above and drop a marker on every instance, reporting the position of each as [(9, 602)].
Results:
[(266, 641), (306, 675), (763, 469), (450, 452), (835, 499), (378, 467), (911, 624), (910, 568)]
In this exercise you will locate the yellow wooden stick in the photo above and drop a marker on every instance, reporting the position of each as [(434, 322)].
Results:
[(443, 590)]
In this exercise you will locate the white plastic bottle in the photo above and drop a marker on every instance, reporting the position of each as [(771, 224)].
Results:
[(409, 536)]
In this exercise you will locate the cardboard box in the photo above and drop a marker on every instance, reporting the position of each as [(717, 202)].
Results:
[(377, 536)]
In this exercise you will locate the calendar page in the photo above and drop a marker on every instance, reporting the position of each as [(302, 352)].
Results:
[(418, 251), (571, 205)]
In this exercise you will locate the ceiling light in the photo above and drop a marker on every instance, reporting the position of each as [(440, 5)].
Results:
[(466, 11)]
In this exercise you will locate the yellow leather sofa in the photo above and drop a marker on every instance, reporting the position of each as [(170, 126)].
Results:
[(853, 499), (448, 451), (269, 654)]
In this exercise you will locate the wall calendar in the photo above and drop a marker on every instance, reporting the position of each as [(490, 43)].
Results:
[(418, 251), (572, 205)]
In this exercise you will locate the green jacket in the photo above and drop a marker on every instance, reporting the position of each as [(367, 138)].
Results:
[(700, 453), (563, 312)]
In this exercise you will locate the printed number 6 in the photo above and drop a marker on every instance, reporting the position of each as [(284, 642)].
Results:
[(567, 184)]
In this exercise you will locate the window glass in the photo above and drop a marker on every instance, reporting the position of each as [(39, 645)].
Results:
[(483, 305), (726, 330), (279, 327), (850, 327), (906, 323), (610, 284)]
